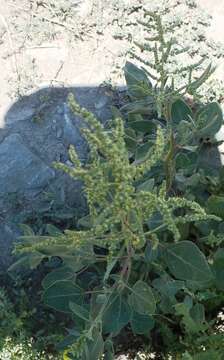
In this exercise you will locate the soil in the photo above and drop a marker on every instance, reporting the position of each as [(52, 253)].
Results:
[(35, 54)]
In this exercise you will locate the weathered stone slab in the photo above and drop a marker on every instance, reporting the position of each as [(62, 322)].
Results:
[(20, 169)]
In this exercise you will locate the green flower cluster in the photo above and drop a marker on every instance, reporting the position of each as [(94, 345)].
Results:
[(118, 210)]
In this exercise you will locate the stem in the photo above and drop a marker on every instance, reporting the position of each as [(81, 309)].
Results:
[(169, 163), (156, 229)]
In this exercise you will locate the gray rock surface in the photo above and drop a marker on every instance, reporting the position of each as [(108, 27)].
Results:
[(38, 130), (8, 235), (20, 169)]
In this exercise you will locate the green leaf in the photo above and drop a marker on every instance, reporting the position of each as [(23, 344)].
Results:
[(53, 230), (130, 139), (148, 185), (180, 111), (139, 91), (63, 273), (209, 120), (79, 311), (184, 133), (142, 299), (200, 80), (108, 350), (135, 76), (22, 261), (67, 342), (191, 326), (168, 287), (182, 161), (218, 267), (35, 259), (94, 348), (186, 262), (143, 107), (197, 313), (142, 151), (144, 126), (116, 316), (215, 205), (85, 222), (116, 113), (61, 293), (150, 253), (27, 230), (141, 324), (208, 355)]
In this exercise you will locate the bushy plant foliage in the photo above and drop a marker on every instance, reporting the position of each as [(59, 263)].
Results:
[(15, 344), (147, 260)]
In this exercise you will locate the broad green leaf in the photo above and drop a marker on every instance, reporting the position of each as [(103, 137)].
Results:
[(143, 107), (147, 185), (184, 134), (84, 256), (141, 324), (192, 326), (63, 273), (61, 293), (150, 253), (134, 117), (53, 230), (215, 205), (35, 259), (27, 230), (186, 262), (111, 264), (155, 221), (167, 286), (116, 112), (130, 139), (79, 311), (142, 151), (182, 161), (209, 120), (108, 350), (186, 162), (22, 261), (67, 342), (135, 75), (168, 289), (139, 91), (197, 312), (218, 267), (94, 348), (97, 301), (180, 111), (85, 222), (142, 299), (144, 126), (200, 80), (208, 355), (117, 315)]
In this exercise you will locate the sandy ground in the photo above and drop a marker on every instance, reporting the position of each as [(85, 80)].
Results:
[(91, 61)]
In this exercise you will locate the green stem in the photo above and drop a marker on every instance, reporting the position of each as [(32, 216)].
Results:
[(156, 229), (169, 163)]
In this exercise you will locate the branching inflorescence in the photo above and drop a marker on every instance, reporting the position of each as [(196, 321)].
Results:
[(117, 209), (160, 42)]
